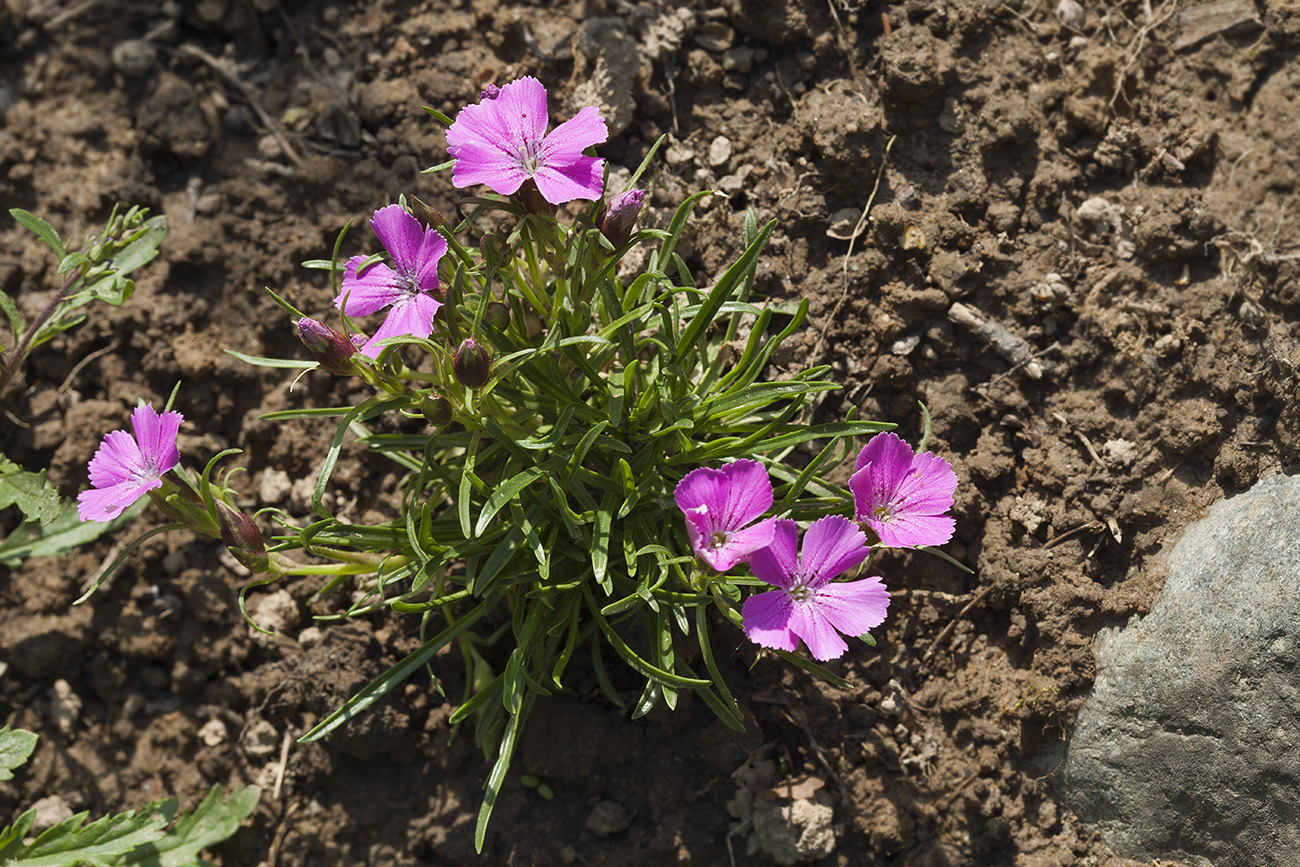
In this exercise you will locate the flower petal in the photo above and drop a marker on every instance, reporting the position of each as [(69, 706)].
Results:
[(402, 236), (854, 607), (105, 504), (488, 140), (565, 144), (767, 620), (376, 288), (778, 563), (912, 531), (488, 164), (582, 179), (431, 250), (118, 459), (521, 108), (809, 623), (928, 489), (831, 546), (885, 448), (738, 545), (156, 436), (411, 315), (747, 492)]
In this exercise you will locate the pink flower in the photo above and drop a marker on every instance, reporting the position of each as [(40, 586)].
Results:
[(903, 497), (805, 605), (124, 467), (407, 287), (502, 142), (721, 507)]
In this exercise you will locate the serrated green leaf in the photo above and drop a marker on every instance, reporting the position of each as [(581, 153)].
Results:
[(16, 746), (61, 535), (101, 842), (30, 492), (211, 822)]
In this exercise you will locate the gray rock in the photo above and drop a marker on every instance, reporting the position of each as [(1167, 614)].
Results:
[(1188, 747)]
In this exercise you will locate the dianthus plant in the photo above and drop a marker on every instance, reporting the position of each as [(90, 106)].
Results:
[(594, 452)]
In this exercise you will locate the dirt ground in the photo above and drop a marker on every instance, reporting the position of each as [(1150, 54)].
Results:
[(1070, 230)]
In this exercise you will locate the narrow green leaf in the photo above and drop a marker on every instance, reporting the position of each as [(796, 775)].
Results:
[(381, 685)]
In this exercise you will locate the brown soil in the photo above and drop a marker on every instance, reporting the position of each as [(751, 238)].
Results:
[(1160, 318)]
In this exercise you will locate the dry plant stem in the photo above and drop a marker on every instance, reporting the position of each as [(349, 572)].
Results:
[(244, 90), (1011, 347), (947, 630), (14, 360), (857, 230)]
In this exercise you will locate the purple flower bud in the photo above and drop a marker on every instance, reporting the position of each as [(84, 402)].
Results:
[(471, 363), (242, 538), (490, 92), (497, 315), (359, 339), (621, 216), (436, 408), (329, 346)]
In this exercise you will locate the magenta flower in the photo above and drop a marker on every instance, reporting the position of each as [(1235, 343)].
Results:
[(124, 467), (502, 142), (805, 604), (721, 507), (407, 287), (901, 496)]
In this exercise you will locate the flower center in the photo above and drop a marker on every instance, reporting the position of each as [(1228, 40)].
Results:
[(530, 156), (410, 283), (718, 540), (801, 593), (882, 513)]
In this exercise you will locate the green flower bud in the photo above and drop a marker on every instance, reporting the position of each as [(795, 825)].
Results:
[(426, 214), (497, 315), (436, 408), (471, 364)]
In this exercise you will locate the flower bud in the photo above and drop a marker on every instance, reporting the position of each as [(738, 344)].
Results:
[(490, 91), (533, 200), (436, 408), (426, 214), (329, 346), (497, 315), (471, 363), (620, 216), (496, 252), (242, 538)]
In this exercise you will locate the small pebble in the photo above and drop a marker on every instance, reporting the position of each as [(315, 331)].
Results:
[(260, 739), (50, 811), (720, 151), (134, 56), (1071, 14), (608, 818), (275, 487), (65, 706), (213, 733)]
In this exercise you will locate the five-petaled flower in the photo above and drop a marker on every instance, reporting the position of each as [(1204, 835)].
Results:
[(407, 287), (502, 142), (721, 507), (805, 604), (901, 496), (125, 467)]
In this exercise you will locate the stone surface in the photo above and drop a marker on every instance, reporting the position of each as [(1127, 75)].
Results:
[(1189, 746)]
